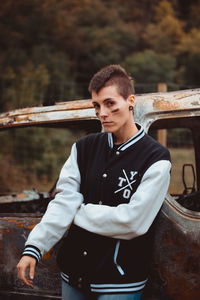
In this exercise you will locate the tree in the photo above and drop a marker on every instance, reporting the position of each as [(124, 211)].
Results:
[(166, 32), (188, 52), (189, 43), (192, 71), (94, 34), (150, 67)]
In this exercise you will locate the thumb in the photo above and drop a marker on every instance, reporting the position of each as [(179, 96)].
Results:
[(32, 270)]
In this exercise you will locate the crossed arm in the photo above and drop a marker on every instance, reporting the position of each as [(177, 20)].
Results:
[(125, 221)]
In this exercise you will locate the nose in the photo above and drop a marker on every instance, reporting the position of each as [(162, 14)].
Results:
[(103, 112)]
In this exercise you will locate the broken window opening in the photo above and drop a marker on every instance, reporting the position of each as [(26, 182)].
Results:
[(179, 139)]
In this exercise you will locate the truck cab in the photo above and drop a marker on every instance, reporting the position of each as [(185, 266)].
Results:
[(36, 141)]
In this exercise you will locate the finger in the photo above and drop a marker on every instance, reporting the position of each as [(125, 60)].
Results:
[(22, 274), (28, 282), (32, 270)]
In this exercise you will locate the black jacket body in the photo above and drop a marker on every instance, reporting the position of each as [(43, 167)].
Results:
[(110, 176)]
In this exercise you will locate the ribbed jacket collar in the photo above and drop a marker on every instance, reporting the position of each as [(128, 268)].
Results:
[(129, 142)]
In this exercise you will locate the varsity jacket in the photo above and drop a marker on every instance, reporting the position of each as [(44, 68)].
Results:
[(109, 197)]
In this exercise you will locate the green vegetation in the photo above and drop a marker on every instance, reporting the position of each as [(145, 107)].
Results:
[(33, 157), (50, 49)]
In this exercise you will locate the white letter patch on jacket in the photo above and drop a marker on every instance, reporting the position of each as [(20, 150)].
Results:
[(125, 183)]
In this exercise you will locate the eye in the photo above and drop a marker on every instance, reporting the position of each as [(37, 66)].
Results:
[(96, 105), (110, 103)]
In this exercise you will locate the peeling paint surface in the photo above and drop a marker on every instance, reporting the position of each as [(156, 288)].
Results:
[(150, 107), (14, 232), (71, 110), (83, 110), (176, 254), (24, 196)]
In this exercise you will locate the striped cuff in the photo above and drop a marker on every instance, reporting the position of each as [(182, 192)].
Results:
[(32, 251), (118, 288), (65, 277)]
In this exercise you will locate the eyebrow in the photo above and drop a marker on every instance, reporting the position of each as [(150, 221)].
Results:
[(107, 99)]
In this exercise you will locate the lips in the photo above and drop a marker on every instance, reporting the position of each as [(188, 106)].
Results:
[(107, 123)]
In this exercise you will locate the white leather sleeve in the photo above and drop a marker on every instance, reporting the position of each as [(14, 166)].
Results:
[(61, 210), (127, 221)]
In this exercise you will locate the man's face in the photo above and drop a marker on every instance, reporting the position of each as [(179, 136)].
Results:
[(112, 109)]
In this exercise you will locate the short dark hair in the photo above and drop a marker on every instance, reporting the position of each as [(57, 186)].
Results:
[(112, 75)]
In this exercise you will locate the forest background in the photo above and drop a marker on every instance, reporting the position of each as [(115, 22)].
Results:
[(49, 49)]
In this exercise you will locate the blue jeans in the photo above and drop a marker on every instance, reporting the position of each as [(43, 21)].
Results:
[(70, 293)]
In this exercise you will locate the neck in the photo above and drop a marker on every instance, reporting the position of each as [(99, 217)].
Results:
[(122, 136)]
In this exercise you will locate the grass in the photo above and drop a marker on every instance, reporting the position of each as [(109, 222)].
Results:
[(179, 157)]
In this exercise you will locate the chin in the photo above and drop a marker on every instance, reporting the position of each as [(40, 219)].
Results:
[(108, 130)]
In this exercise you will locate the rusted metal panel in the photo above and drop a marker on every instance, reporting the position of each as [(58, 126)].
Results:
[(148, 107), (73, 110), (176, 267), (5, 295), (14, 232), (23, 196), (151, 107)]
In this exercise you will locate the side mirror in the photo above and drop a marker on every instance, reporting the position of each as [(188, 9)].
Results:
[(189, 168)]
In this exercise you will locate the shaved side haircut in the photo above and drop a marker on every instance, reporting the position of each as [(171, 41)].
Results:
[(112, 75)]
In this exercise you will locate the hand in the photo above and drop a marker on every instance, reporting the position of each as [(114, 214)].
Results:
[(26, 263)]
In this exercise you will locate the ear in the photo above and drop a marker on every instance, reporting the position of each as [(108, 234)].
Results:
[(131, 100)]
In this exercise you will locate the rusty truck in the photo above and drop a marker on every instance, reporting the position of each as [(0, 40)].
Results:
[(30, 138)]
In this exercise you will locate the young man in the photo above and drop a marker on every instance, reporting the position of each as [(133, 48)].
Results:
[(111, 190)]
